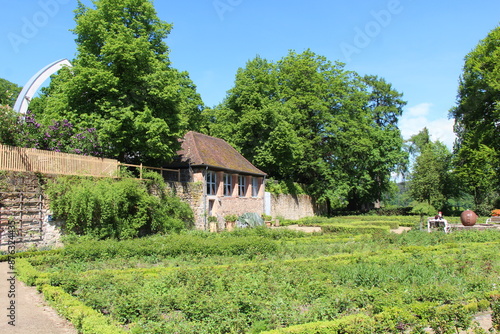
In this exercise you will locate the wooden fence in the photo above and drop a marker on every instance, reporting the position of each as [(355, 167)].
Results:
[(48, 162)]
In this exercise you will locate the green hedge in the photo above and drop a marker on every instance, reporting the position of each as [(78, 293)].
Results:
[(352, 228), (351, 324), (84, 318), (165, 246), (18, 255)]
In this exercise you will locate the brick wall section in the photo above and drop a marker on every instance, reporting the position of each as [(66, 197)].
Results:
[(191, 193), (295, 206)]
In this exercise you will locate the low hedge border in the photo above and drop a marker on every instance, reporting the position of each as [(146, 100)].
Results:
[(19, 255), (414, 318), (358, 229), (84, 318)]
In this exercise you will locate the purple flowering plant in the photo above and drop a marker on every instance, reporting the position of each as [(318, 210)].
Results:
[(60, 136)]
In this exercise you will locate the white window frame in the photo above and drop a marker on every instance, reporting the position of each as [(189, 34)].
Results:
[(242, 185), (211, 183), (228, 185), (255, 187)]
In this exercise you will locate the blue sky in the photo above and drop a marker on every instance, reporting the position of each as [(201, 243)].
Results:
[(417, 46)]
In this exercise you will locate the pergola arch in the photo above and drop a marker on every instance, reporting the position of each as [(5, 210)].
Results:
[(31, 87)]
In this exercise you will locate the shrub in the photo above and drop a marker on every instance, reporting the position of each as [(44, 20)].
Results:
[(108, 208)]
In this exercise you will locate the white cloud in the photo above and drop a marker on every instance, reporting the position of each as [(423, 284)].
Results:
[(417, 117), (421, 109)]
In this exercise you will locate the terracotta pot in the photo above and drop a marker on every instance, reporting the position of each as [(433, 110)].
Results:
[(230, 226), (468, 218)]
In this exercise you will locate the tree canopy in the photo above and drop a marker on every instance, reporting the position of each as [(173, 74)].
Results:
[(122, 83), (431, 179), (477, 119), (8, 93), (309, 120)]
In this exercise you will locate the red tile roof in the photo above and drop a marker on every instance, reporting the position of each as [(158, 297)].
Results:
[(202, 150)]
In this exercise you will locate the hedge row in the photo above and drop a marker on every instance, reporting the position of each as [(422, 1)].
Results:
[(84, 318), (449, 318)]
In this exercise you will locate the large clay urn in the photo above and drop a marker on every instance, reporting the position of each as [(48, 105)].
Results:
[(468, 218)]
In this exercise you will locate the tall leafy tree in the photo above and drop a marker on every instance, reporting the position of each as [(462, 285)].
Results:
[(430, 180), (308, 120), (8, 92), (477, 173), (477, 114), (382, 142), (122, 83)]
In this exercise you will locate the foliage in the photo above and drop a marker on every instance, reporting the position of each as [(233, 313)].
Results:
[(9, 92), (84, 318), (230, 218), (107, 208), (495, 306), (296, 119), (252, 280), (430, 180), (477, 172), (422, 209), (59, 136), (477, 118), (284, 187), (9, 126), (495, 213), (122, 83)]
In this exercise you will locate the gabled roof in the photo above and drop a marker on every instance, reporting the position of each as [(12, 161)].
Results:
[(201, 150)]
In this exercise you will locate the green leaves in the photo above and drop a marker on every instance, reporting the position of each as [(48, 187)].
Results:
[(123, 209), (306, 119), (9, 92), (122, 84), (477, 118)]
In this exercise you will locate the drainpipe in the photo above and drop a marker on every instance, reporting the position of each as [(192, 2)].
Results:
[(205, 198), (264, 198)]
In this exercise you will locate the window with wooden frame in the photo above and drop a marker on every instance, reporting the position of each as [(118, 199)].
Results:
[(211, 183), (255, 187), (242, 186), (228, 185)]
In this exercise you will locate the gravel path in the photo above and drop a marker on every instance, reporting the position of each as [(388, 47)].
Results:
[(30, 313)]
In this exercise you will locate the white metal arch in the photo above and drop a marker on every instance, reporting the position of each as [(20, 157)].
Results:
[(35, 82)]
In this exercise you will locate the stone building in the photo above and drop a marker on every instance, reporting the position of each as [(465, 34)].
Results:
[(230, 183)]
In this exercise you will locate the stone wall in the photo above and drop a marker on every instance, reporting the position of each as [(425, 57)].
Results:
[(191, 193), (295, 206), (25, 219)]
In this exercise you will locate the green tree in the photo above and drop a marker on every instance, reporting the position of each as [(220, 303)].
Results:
[(122, 83), (308, 120), (477, 173), (8, 92), (430, 179), (9, 126), (477, 113)]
